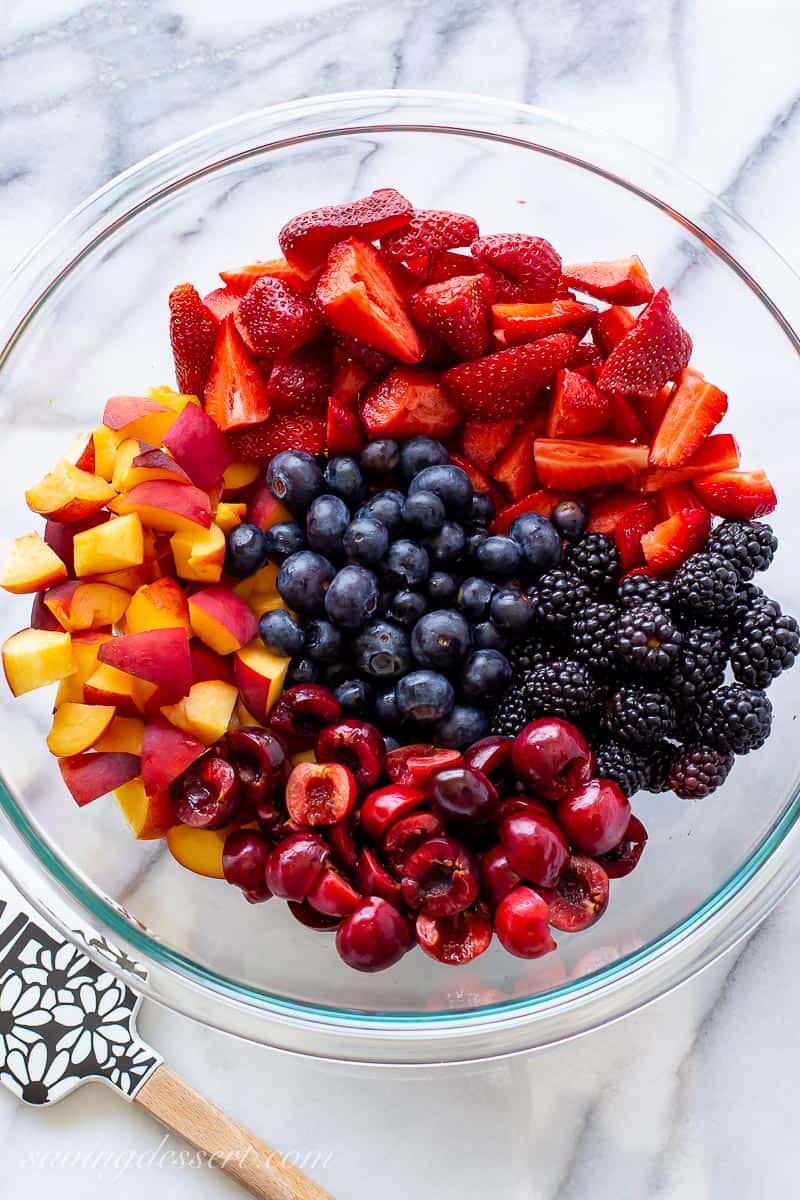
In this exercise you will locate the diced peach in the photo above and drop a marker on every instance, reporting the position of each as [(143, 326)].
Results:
[(221, 619), (166, 753), (33, 658), (238, 476), (206, 665), (139, 462), (30, 566), (197, 443), (265, 579), (110, 547), (228, 515), (262, 602), (60, 536), (81, 452), (124, 734), (264, 510), (199, 850), (199, 554), (85, 647), (158, 605), (166, 505), (80, 604), (206, 712), (259, 674), (177, 401), (41, 617), (69, 494), (138, 417), (105, 442), (77, 727), (244, 716), (91, 775), (148, 816), (108, 685), (130, 579), (159, 656)]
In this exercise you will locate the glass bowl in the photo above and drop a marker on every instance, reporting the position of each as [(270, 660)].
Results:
[(85, 316)]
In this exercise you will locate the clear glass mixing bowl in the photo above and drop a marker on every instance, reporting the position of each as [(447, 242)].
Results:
[(85, 316)]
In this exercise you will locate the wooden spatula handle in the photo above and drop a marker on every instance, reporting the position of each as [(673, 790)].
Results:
[(257, 1167)]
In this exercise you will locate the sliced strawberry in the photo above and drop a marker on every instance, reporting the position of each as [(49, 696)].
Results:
[(738, 495), (515, 469), (577, 407), (524, 269), (301, 382), (236, 393), (484, 441), (621, 281), (429, 231), (457, 312), (610, 328), (192, 332), (349, 381), (653, 352), (586, 359), (673, 499), (284, 431), (652, 408), (720, 452), (441, 265), (607, 513), (582, 464), (671, 542), (637, 521), (222, 301), (360, 300), (508, 383), (244, 277), (625, 421), (408, 401), (273, 319), (695, 409), (307, 238), (372, 361), (344, 434), (479, 479), (515, 323), (542, 502)]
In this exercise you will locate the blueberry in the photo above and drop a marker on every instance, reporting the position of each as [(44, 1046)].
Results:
[(406, 607), (482, 510), (406, 563), (570, 519), (474, 598), (486, 674), (284, 539), (449, 483), (326, 521), (382, 651), (463, 726), (424, 696), (442, 589), (324, 642), (302, 670), (420, 452), (303, 581), (475, 538), (335, 673), (441, 639), (280, 633), (246, 549), (512, 611), (343, 477), (352, 597), (539, 542), (486, 636), (499, 556), (446, 546), (386, 507), (366, 540), (424, 511), (294, 478), (387, 714), (356, 697), (380, 457)]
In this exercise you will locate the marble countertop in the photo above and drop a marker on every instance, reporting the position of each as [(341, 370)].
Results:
[(689, 1099)]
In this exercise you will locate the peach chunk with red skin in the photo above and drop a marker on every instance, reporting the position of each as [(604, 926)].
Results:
[(221, 619)]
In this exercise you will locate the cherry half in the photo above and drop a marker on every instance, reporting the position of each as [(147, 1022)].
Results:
[(454, 940), (492, 755), (320, 793), (356, 745), (461, 795), (386, 805), (331, 894), (413, 764), (294, 864), (521, 923), (440, 878), (207, 795), (374, 880), (497, 877), (596, 816), (301, 712), (535, 847), (244, 861), (552, 757), (623, 858), (374, 936), (581, 896), (402, 838), (261, 763)]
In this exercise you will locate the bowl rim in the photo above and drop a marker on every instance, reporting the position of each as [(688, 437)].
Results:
[(403, 1038)]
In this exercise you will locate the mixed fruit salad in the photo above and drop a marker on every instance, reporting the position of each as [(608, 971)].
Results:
[(433, 561)]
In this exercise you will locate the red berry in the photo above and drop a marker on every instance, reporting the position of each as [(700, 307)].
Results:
[(429, 231), (300, 383), (355, 744), (623, 858), (508, 382), (274, 319), (374, 936), (596, 816), (331, 894), (522, 268), (461, 795), (440, 878), (654, 351), (454, 940), (307, 238), (260, 760), (302, 911), (520, 922), (535, 847), (403, 838), (553, 757), (244, 860), (497, 877), (491, 755), (258, 443), (301, 712), (320, 793), (581, 895), (386, 805), (294, 864), (193, 332), (207, 795), (374, 880)]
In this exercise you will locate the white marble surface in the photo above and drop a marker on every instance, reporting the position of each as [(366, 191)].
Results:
[(693, 1098)]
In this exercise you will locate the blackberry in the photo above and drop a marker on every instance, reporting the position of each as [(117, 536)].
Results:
[(644, 589), (629, 769), (749, 598), (562, 688), (660, 758), (749, 546), (647, 639), (706, 587), (594, 636), (595, 560), (697, 771), (533, 652), (510, 713), (559, 597), (763, 646), (735, 718), (701, 665), (640, 715)]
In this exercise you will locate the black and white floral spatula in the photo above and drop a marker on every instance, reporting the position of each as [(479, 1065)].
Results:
[(65, 1021)]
